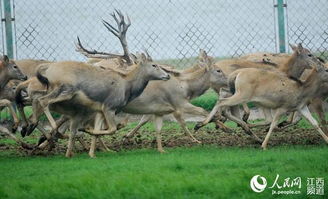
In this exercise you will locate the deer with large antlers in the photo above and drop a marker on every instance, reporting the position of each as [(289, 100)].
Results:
[(193, 82), (105, 92), (119, 32)]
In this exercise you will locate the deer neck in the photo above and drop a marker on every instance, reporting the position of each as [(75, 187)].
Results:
[(293, 68), (311, 85), (137, 80), (3, 79), (198, 83)]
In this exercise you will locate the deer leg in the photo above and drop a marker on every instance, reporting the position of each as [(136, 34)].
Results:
[(317, 104), (7, 132), (247, 112), (109, 116), (287, 122), (274, 122), (103, 145), (37, 111), (158, 126), (48, 138), (182, 122), (83, 143), (267, 116), (209, 117), (236, 99), (188, 108), (70, 146), (12, 111), (123, 122), (24, 119), (307, 114), (12, 136), (60, 93), (71, 140), (243, 125), (143, 121), (97, 126)]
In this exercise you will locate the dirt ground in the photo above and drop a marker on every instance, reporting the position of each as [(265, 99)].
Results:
[(176, 138)]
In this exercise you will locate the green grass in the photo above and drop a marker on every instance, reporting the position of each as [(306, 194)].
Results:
[(198, 172)]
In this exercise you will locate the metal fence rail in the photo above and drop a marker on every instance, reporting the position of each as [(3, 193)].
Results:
[(169, 29)]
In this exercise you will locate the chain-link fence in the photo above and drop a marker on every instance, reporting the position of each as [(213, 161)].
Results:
[(171, 30)]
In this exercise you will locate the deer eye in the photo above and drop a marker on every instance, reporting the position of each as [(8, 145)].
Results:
[(15, 67), (310, 55), (154, 65), (219, 71)]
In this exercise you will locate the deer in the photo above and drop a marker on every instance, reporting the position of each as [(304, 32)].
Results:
[(174, 98), (29, 66), (294, 66), (316, 104), (194, 81), (287, 94), (104, 92), (9, 71)]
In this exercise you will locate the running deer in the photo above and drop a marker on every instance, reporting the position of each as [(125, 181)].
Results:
[(29, 67), (275, 90), (9, 71), (194, 82), (174, 98), (120, 33), (294, 66), (317, 103), (102, 91)]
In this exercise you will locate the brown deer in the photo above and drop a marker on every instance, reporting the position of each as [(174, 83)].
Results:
[(293, 68), (173, 98), (256, 85), (316, 104), (101, 91), (194, 82), (29, 67), (9, 71)]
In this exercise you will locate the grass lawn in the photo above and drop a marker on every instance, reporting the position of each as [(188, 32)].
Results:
[(197, 172)]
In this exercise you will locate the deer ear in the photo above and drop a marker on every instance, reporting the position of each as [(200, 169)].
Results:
[(134, 58), (204, 63), (202, 54), (143, 58), (299, 46), (4, 60), (149, 58), (293, 47)]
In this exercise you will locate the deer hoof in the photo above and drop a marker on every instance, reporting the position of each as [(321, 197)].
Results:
[(23, 131), (92, 155), (198, 126), (69, 154), (41, 140), (161, 150), (30, 129), (264, 148)]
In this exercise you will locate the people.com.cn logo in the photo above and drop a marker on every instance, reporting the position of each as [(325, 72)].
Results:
[(256, 186)]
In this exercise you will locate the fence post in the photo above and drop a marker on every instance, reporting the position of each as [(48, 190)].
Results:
[(281, 25), (8, 29)]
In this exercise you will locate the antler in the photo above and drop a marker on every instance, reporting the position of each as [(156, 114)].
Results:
[(94, 53), (120, 31)]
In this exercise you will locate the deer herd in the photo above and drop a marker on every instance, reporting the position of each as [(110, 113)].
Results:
[(89, 95)]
